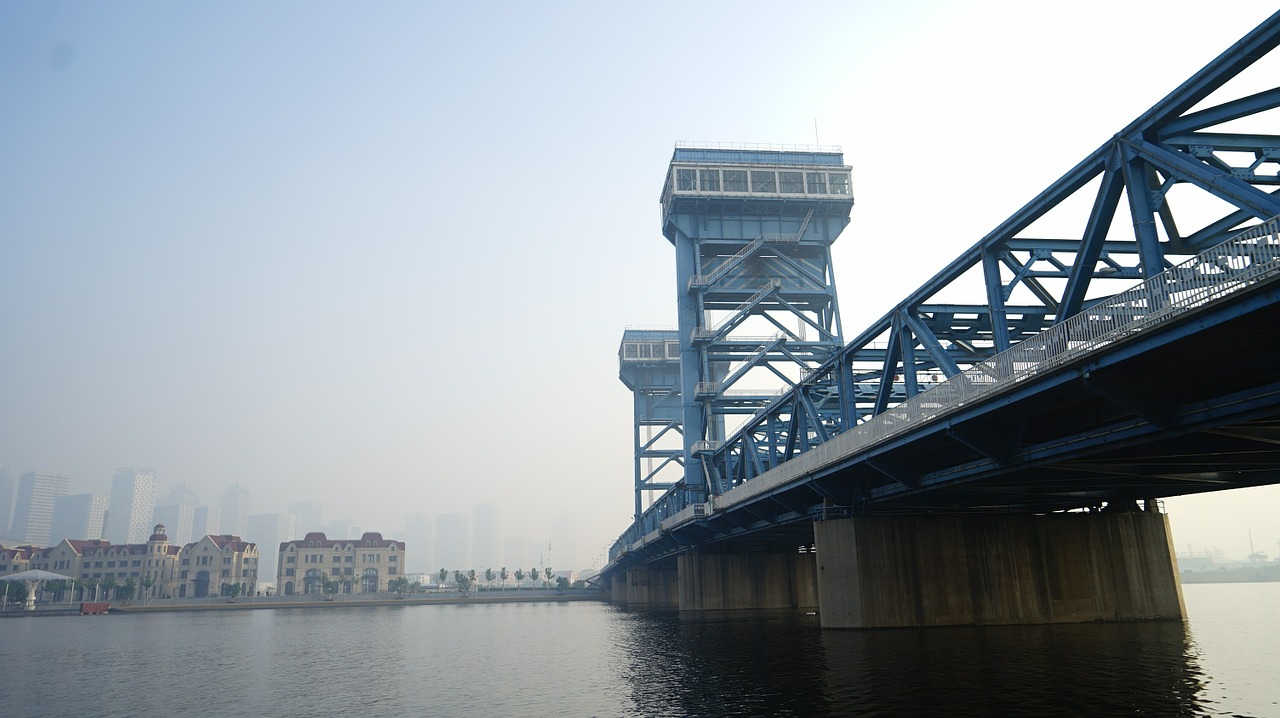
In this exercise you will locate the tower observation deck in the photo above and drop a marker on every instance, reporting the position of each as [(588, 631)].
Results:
[(752, 228)]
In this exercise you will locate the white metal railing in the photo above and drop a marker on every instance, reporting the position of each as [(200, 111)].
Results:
[(705, 280), (750, 146), (1246, 260), (703, 333)]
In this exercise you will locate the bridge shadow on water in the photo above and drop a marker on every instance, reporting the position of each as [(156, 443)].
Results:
[(786, 665)]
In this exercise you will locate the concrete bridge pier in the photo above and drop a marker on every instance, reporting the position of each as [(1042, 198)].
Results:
[(645, 588), (939, 570), (750, 580)]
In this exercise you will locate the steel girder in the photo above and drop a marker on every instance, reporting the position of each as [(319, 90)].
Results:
[(921, 342), (1031, 279)]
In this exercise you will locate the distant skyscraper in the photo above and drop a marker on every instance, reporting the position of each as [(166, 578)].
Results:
[(179, 522), (33, 507), (132, 506), (419, 545), (8, 494), (79, 516), (206, 521), (269, 531), (452, 551), (485, 551), (235, 511), (341, 529), (181, 495), (310, 517), (520, 553), (564, 544)]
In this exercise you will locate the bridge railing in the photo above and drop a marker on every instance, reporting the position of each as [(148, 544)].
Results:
[(1243, 261)]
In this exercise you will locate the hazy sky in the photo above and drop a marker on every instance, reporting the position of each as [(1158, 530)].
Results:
[(381, 255)]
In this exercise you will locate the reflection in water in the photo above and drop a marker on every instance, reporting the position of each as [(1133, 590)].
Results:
[(755, 665), (589, 659), (1065, 670)]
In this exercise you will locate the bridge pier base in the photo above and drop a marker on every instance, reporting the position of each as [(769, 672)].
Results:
[(733, 581), (642, 588), (910, 571)]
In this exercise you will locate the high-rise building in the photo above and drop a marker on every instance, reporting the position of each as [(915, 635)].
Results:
[(269, 531), (179, 522), (132, 506), (8, 492), (417, 534), (78, 517), (33, 506), (310, 516), (485, 550), (235, 510), (205, 521), (177, 511), (452, 545), (564, 543)]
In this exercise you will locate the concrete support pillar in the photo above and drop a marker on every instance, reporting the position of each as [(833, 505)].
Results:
[(731, 581), (643, 588), (893, 571)]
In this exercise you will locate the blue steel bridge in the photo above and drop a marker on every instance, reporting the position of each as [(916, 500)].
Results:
[(1094, 361)]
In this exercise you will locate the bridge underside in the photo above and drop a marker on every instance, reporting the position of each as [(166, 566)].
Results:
[(1193, 407)]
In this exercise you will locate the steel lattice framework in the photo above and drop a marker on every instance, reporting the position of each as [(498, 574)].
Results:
[(1189, 181)]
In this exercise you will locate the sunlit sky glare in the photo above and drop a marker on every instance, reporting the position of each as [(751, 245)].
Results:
[(381, 255)]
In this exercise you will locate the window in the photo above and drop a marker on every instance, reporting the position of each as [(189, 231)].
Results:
[(289, 559), (225, 573), (763, 182), (337, 559), (839, 183), (288, 572), (392, 558), (735, 181), (391, 571), (817, 182), (686, 180), (111, 564), (137, 563), (790, 182), (183, 575), (350, 559), (226, 560), (709, 180)]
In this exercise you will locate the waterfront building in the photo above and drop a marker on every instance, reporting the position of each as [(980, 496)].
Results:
[(211, 563), (132, 505), (364, 565), (33, 507), (180, 518), (149, 567), (14, 560), (79, 516)]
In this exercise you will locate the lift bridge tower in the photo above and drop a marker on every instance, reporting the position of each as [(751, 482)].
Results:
[(752, 227)]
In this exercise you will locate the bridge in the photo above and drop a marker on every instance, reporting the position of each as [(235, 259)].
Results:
[(995, 447)]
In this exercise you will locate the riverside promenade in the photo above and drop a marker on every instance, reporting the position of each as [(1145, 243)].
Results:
[(250, 603)]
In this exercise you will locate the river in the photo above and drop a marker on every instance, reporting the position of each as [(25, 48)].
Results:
[(591, 659)]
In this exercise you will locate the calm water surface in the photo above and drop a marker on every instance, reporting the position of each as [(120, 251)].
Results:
[(588, 659)]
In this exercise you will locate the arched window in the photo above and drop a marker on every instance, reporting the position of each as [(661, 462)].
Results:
[(288, 588), (369, 581), (312, 582)]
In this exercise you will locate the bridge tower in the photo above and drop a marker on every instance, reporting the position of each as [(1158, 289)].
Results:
[(752, 227), (649, 364)]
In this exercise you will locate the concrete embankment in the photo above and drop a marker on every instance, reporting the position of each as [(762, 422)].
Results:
[(286, 602)]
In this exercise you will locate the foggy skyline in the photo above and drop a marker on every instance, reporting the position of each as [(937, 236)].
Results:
[(381, 257)]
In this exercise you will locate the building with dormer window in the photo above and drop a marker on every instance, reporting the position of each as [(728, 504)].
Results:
[(363, 565)]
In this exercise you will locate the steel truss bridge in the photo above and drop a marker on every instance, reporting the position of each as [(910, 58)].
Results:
[(1114, 360)]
